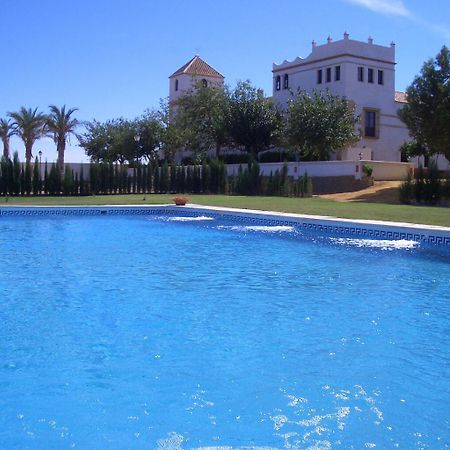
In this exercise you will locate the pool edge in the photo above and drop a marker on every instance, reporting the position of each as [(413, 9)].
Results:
[(430, 234)]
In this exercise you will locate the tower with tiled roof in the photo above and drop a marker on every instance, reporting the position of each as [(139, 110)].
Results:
[(187, 76)]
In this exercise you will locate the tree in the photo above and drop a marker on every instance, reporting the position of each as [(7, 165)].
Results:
[(16, 172), (412, 149), (37, 183), (427, 113), (7, 130), (252, 121), (61, 125), (30, 127), (121, 140), (319, 124), (150, 130), (171, 139), (200, 117)]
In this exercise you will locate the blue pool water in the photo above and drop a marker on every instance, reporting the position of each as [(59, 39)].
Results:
[(154, 333)]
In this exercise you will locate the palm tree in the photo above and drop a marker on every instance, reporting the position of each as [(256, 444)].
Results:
[(30, 127), (61, 125), (7, 129)]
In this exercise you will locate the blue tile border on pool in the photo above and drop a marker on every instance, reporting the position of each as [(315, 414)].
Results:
[(439, 236)]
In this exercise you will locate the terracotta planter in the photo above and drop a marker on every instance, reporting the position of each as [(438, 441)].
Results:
[(180, 201)]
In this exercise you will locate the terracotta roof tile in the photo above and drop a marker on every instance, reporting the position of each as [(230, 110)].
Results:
[(196, 66), (400, 97)]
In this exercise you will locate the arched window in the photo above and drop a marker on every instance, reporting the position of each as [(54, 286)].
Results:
[(204, 83), (286, 81), (278, 83), (176, 85)]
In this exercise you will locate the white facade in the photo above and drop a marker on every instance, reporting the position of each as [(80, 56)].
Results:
[(361, 72)]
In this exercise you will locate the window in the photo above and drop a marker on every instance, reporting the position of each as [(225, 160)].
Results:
[(337, 73), (370, 76), (286, 81), (380, 77), (319, 76), (205, 83), (370, 123), (328, 74), (176, 85), (360, 73), (278, 83)]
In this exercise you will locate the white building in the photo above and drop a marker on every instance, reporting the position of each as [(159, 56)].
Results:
[(361, 72), (187, 76)]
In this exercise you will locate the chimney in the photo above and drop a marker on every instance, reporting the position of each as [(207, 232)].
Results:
[(329, 40), (314, 44), (370, 40), (392, 44), (346, 35)]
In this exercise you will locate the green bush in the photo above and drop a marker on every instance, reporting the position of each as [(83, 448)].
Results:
[(367, 170), (406, 190)]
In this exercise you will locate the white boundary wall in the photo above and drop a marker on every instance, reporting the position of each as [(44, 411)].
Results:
[(382, 170)]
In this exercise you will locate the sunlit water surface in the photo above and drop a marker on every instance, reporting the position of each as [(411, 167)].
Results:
[(166, 333)]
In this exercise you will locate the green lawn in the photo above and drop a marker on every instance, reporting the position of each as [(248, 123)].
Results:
[(350, 210)]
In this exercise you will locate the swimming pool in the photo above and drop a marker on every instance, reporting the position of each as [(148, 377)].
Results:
[(159, 331)]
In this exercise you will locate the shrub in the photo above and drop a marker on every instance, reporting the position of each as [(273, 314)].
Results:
[(305, 187), (406, 190), (419, 185), (37, 184), (432, 187), (367, 170)]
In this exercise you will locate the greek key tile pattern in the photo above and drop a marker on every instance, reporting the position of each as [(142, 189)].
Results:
[(304, 225)]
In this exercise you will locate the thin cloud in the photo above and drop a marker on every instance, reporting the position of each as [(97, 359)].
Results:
[(438, 28), (389, 7), (398, 8)]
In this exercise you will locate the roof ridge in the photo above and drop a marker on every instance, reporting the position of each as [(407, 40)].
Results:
[(197, 66)]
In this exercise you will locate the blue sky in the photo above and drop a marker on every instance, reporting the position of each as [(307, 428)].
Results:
[(112, 58)]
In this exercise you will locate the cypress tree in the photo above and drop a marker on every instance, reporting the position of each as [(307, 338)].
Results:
[(165, 181), (10, 176), (82, 185), (138, 178), (254, 178), (28, 178), (76, 185), (46, 178), (178, 175), (118, 176), (93, 178), (16, 173), (206, 177), (37, 184), (133, 183), (55, 174), (22, 181), (4, 176), (68, 183), (144, 179), (111, 180), (173, 178), (150, 178), (270, 185), (222, 178), (183, 179), (124, 176), (284, 181), (102, 176), (196, 182), (189, 179)]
